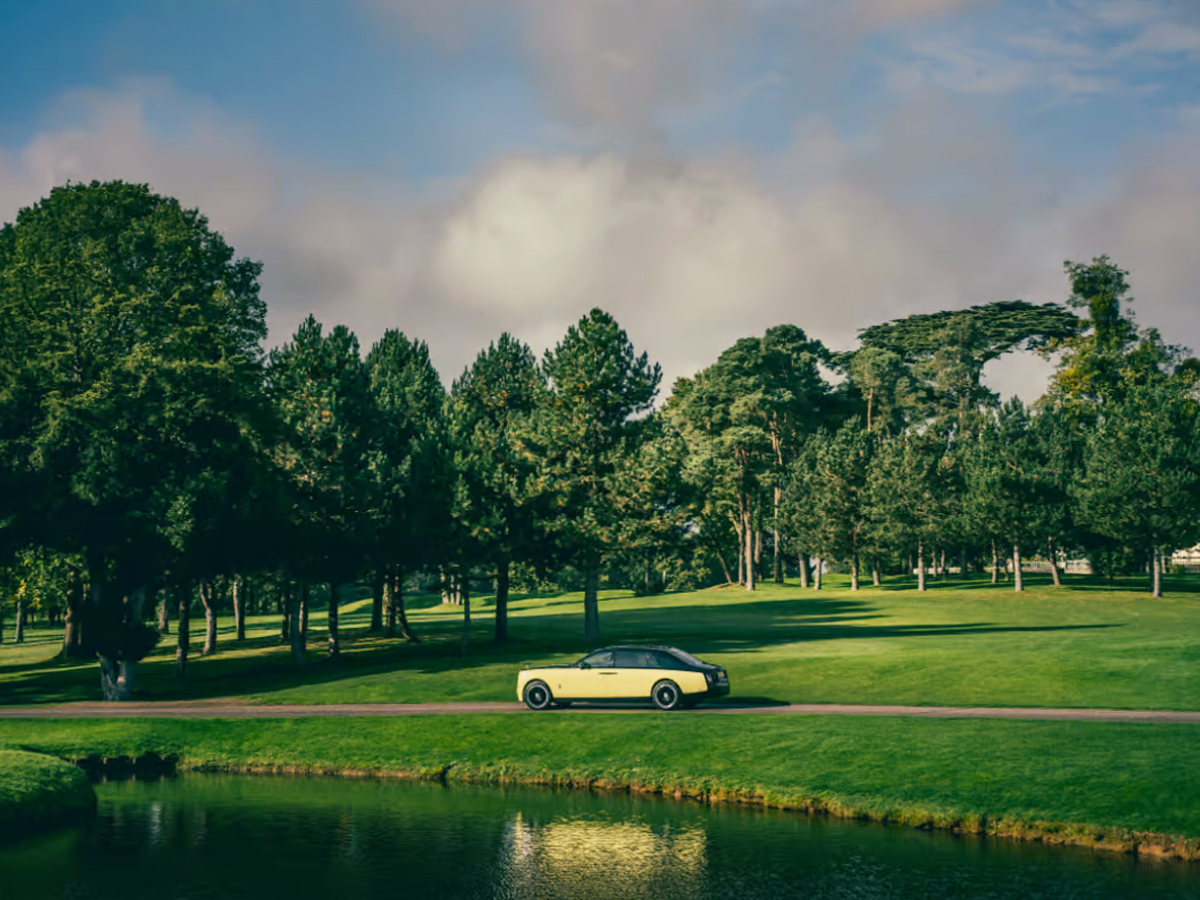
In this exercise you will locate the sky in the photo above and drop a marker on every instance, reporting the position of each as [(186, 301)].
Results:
[(702, 169)]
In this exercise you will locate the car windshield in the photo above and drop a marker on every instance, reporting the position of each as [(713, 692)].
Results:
[(688, 658)]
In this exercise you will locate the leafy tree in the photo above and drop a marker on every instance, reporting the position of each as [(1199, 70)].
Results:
[(494, 508), (841, 464), (320, 389), (587, 423), (1140, 481), (412, 479), (905, 496), (946, 351), (752, 410), (131, 343), (1005, 476)]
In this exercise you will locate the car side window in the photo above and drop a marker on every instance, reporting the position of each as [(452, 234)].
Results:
[(631, 659), (665, 660), (601, 659)]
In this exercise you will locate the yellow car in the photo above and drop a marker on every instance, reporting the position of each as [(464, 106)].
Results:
[(666, 676)]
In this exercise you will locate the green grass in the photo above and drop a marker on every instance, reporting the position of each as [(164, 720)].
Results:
[(39, 792), (1093, 782), (958, 644)]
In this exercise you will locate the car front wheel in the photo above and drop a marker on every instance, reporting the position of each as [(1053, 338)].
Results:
[(538, 696), (666, 695)]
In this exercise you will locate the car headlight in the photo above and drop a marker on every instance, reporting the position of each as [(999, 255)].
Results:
[(708, 676)]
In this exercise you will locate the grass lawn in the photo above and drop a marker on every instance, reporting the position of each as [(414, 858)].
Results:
[(1094, 782), (961, 643), (38, 791)]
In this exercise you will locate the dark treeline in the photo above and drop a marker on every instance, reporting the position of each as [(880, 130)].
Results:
[(156, 461)]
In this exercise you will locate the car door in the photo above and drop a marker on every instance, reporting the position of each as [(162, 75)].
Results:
[(599, 680), (636, 673)]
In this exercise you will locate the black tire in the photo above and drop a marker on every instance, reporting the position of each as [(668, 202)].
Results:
[(538, 696), (666, 695)]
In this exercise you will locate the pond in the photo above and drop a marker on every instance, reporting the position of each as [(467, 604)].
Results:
[(240, 836)]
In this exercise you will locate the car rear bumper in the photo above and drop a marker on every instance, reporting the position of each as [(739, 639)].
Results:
[(716, 690)]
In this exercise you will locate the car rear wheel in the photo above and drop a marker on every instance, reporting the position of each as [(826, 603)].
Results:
[(538, 696), (666, 695)]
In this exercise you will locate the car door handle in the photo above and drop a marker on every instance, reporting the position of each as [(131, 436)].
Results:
[(608, 673)]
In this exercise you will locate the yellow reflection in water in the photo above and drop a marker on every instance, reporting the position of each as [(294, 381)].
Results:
[(631, 858)]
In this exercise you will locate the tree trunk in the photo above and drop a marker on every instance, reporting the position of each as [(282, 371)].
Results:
[(758, 547), (724, 568), (741, 536), (876, 575), (285, 625), (297, 600), (962, 562), (1052, 555), (1155, 588), (183, 643), (465, 594), (802, 562), (920, 565), (398, 606), (389, 602), (591, 604), (1018, 577), (995, 564), (818, 570), (942, 567), (748, 527), (238, 588), (854, 572), (304, 614), (164, 612), (377, 602), (501, 602), (72, 633), (208, 598), (19, 637), (334, 646)]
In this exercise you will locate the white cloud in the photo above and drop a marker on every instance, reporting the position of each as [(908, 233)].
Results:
[(929, 210)]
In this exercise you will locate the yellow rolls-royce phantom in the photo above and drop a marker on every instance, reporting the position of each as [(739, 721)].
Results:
[(665, 676)]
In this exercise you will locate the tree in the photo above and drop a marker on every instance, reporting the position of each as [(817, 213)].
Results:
[(945, 352), (495, 511), (754, 407), (320, 389), (1140, 481), (131, 343), (905, 496), (587, 423), (1004, 477), (838, 509), (410, 467)]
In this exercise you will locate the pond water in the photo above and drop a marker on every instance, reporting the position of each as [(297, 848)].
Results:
[(239, 836)]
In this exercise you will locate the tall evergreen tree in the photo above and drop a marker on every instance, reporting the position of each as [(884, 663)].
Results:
[(590, 419)]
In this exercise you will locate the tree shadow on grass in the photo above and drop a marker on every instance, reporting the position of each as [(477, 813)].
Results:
[(262, 665)]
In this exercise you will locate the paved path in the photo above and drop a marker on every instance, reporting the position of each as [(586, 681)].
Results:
[(235, 709)]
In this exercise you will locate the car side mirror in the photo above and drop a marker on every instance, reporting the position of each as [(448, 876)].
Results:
[(584, 665)]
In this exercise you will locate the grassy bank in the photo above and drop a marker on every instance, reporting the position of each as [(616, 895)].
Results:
[(1117, 786), (961, 643), (39, 792)]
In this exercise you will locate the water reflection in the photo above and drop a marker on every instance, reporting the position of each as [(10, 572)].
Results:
[(253, 837), (576, 855)]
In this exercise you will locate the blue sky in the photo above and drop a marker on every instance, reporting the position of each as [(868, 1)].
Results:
[(704, 168)]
